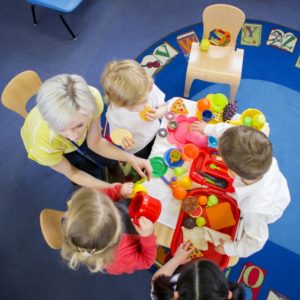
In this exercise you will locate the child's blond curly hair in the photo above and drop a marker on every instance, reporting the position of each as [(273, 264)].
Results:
[(92, 229), (125, 82)]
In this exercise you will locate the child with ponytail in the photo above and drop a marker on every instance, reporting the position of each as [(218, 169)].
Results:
[(99, 234), (196, 280)]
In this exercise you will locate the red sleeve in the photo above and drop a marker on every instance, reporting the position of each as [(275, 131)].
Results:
[(133, 253), (114, 193)]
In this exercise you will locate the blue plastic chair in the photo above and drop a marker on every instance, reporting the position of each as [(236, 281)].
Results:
[(62, 6)]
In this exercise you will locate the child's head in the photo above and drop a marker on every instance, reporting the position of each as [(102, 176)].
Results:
[(126, 83), (200, 279), (246, 151), (92, 229)]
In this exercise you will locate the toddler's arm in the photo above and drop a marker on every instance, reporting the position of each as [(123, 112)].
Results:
[(180, 257), (215, 130)]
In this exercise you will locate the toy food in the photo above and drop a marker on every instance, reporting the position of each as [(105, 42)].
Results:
[(179, 171), (220, 216), (203, 104), (197, 212), (178, 107), (189, 223), (119, 134), (196, 236), (179, 192), (202, 200), (189, 204), (200, 221), (204, 45), (172, 125), (212, 200)]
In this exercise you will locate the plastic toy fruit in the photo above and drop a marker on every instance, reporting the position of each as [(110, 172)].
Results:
[(179, 192), (258, 121), (179, 171), (200, 221), (212, 200), (205, 44), (202, 200), (197, 213), (203, 104)]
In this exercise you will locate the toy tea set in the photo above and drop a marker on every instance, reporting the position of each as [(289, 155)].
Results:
[(211, 206)]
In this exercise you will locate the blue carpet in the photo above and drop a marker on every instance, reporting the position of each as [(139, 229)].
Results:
[(271, 83)]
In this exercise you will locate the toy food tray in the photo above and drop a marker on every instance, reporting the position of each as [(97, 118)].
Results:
[(210, 253), (209, 167)]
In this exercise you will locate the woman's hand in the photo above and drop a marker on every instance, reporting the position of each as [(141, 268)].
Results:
[(142, 166), (127, 189), (198, 126), (145, 227), (182, 253)]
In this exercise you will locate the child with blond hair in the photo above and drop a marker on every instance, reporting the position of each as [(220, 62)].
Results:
[(261, 190), (130, 91), (99, 234)]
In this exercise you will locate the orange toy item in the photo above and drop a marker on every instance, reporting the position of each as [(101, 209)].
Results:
[(220, 216), (203, 104), (189, 152), (179, 192), (178, 107), (202, 200)]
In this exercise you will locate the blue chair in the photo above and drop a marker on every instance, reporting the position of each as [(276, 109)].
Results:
[(62, 6)]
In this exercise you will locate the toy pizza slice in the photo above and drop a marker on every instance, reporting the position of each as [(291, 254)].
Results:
[(118, 135), (178, 107)]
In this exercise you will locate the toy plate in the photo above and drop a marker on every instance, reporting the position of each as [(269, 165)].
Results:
[(159, 168)]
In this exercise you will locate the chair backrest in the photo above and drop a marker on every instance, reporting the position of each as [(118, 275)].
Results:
[(50, 222), (226, 17), (19, 90)]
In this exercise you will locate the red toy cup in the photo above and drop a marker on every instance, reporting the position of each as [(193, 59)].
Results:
[(144, 205)]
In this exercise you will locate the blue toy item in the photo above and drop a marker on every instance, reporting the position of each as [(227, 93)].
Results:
[(62, 6), (168, 162), (212, 142)]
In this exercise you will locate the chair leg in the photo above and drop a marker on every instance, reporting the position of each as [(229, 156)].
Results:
[(187, 87), (233, 90), (67, 26), (33, 14)]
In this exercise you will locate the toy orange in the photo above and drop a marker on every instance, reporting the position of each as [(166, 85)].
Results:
[(202, 200), (203, 104), (179, 192)]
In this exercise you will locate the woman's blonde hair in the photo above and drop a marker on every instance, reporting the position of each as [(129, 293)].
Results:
[(92, 229), (63, 96), (125, 82)]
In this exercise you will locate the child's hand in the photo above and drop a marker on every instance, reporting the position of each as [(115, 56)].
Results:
[(157, 113), (127, 189), (198, 126), (145, 227), (152, 114), (128, 143), (220, 249), (182, 254)]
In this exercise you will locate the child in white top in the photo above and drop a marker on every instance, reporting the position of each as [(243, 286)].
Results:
[(129, 89), (261, 190)]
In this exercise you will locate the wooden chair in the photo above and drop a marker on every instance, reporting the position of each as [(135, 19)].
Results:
[(19, 90), (218, 64), (50, 222), (62, 6)]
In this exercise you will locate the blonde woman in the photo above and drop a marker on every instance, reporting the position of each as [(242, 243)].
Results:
[(130, 91), (100, 235), (63, 132)]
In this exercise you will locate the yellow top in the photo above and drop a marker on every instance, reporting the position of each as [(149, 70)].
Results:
[(44, 145)]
